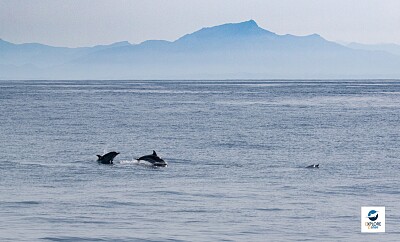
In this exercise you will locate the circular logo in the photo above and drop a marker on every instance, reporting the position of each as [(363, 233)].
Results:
[(373, 215)]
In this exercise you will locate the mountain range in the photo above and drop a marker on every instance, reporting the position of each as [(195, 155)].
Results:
[(229, 51)]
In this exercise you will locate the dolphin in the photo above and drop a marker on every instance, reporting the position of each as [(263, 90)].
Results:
[(107, 158), (313, 166), (154, 159)]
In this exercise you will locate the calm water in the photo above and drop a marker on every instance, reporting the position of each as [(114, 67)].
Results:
[(236, 154)]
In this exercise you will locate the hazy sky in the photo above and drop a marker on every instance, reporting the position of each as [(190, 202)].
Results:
[(90, 22)]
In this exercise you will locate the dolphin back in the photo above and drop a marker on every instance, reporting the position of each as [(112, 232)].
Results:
[(153, 159), (146, 157), (107, 158)]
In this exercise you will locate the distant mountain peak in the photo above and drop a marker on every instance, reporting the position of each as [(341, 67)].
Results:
[(250, 22), (230, 30), (317, 36)]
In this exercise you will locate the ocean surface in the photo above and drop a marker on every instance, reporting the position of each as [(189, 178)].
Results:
[(236, 152)]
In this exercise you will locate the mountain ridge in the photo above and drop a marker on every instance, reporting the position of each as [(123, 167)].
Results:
[(228, 51), (386, 47)]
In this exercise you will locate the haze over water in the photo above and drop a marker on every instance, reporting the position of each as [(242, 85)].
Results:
[(236, 152)]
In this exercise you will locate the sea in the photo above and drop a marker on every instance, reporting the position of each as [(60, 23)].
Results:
[(236, 152)]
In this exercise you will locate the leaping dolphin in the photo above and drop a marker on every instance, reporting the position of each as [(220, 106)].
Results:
[(154, 159), (313, 166), (107, 158)]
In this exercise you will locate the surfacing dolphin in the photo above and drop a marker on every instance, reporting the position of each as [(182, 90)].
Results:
[(154, 159), (107, 158), (313, 166)]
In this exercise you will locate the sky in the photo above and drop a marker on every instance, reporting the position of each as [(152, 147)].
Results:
[(76, 23)]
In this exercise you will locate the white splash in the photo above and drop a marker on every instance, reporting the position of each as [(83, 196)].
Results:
[(136, 162)]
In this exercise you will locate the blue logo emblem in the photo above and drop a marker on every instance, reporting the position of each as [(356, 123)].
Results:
[(373, 215)]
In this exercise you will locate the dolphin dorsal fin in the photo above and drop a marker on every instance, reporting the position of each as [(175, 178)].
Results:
[(154, 153)]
